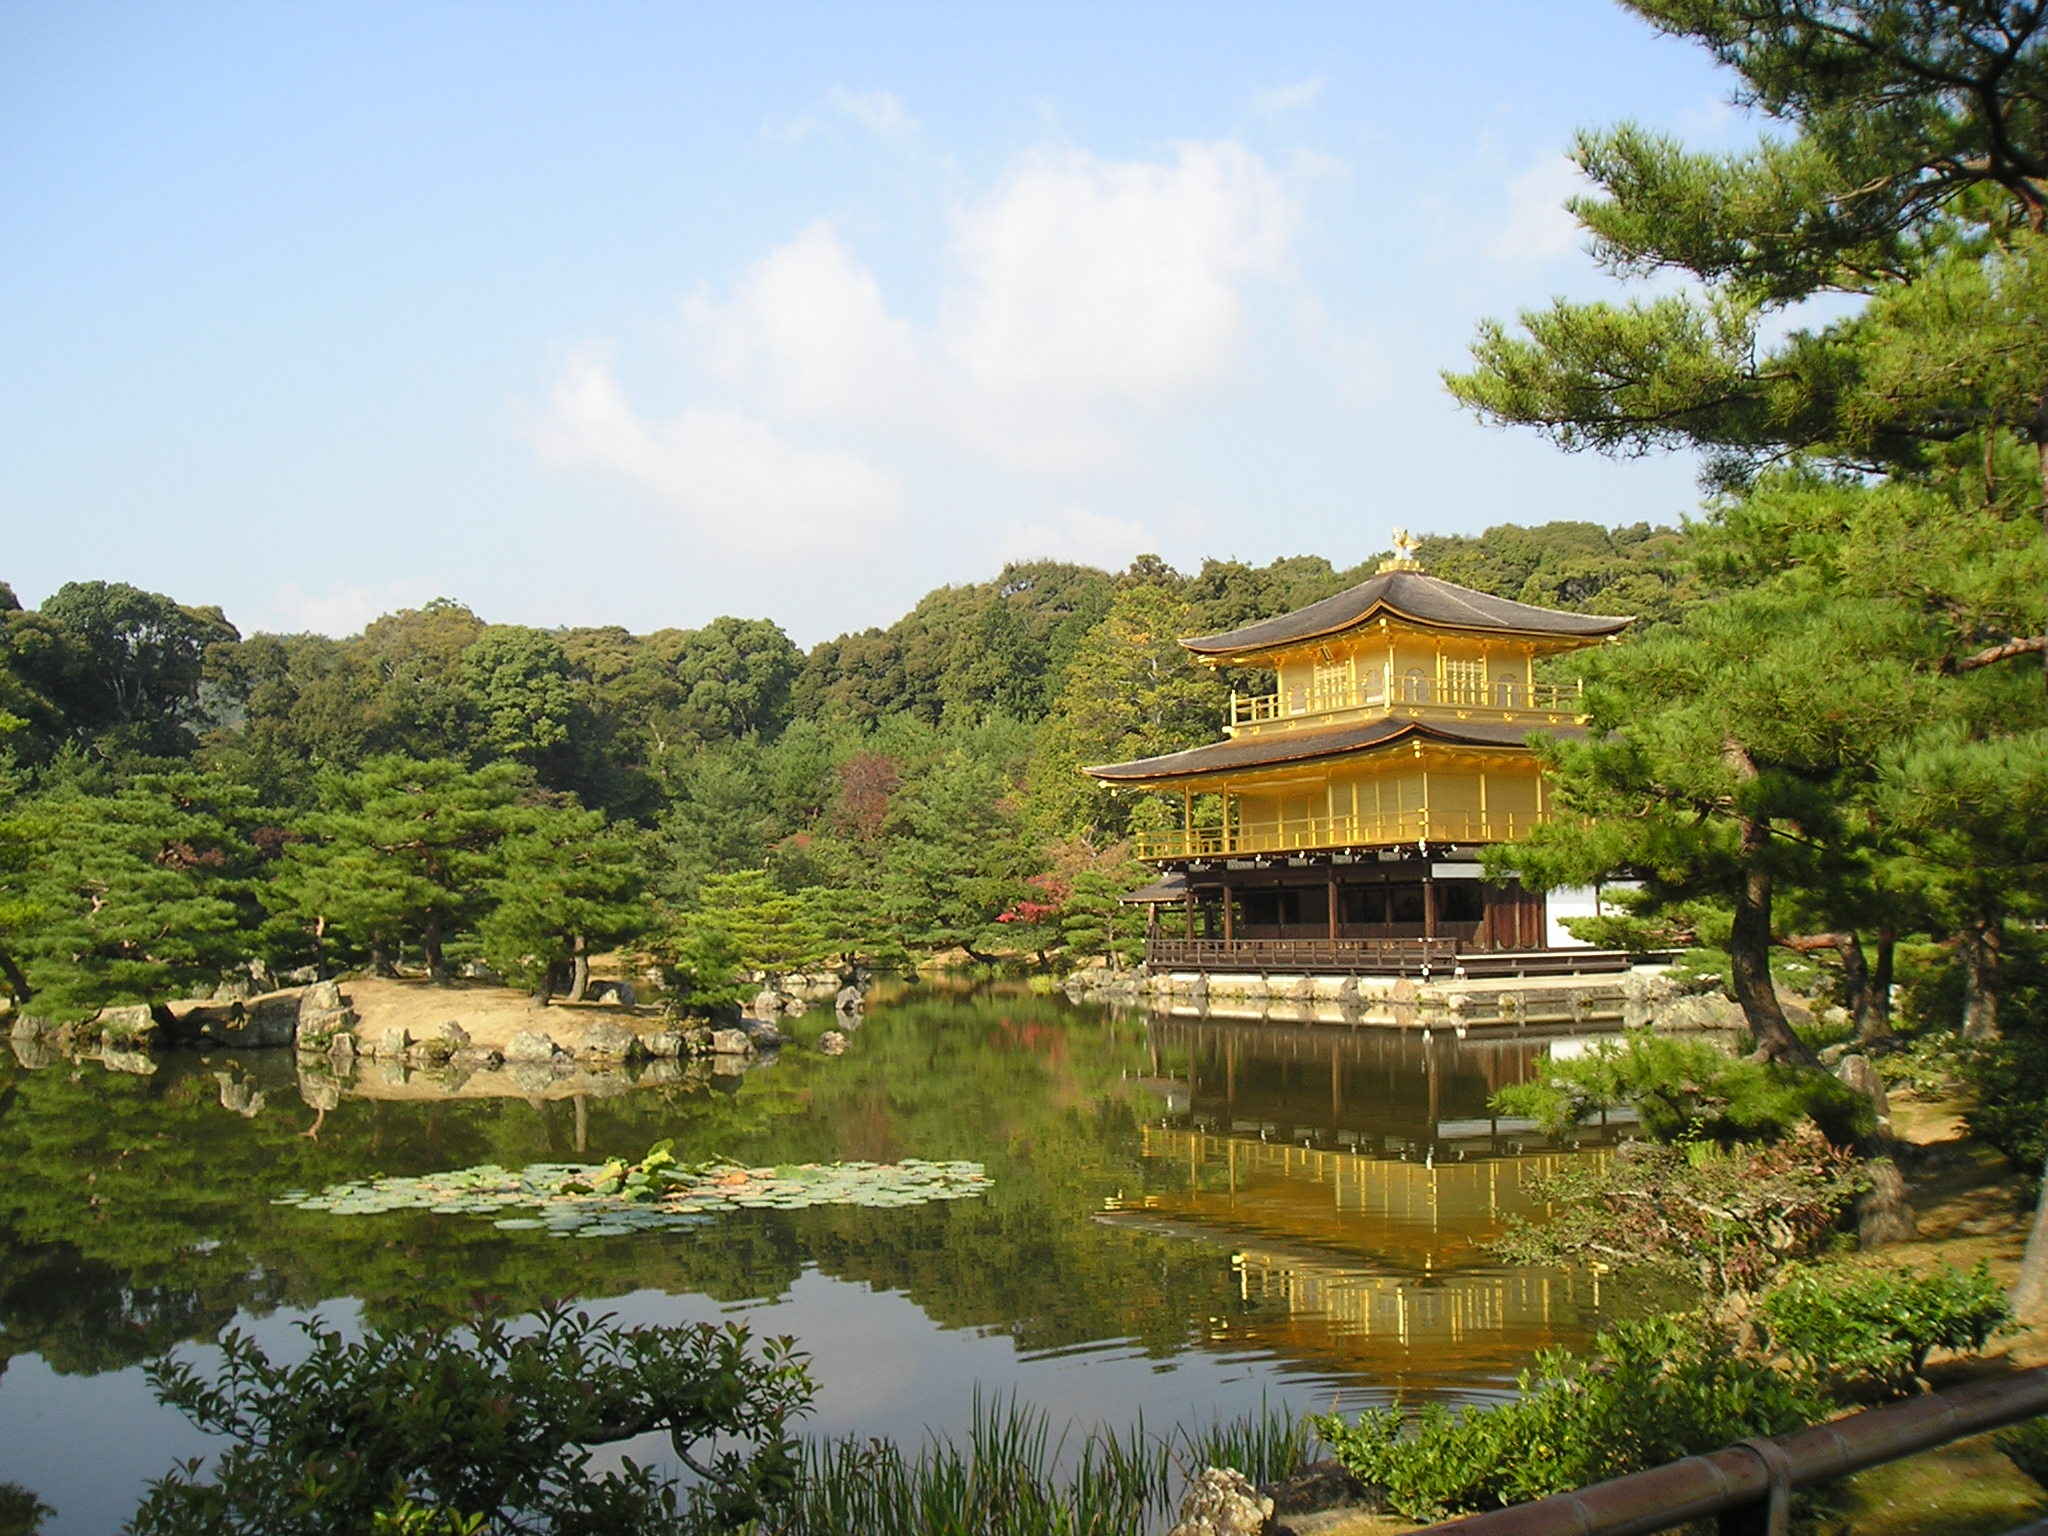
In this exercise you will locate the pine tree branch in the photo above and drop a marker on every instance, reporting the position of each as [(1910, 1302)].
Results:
[(2032, 645)]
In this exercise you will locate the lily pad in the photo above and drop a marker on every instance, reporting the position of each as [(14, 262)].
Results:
[(617, 1198)]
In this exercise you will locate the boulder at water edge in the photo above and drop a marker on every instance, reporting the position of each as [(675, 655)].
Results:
[(131, 1028), (611, 1042), (1319, 1493), (324, 1016), (530, 1045), (270, 1021), (391, 1043), (441, 1041), (1222, 1502)]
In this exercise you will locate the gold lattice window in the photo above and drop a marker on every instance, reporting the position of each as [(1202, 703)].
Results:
[(1333, 682), (1465, 681)]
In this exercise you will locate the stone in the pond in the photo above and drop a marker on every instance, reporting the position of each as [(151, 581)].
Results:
[(530, 1045), (613, 1042)]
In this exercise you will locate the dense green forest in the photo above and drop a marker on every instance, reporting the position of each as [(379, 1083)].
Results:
[(177, 799)]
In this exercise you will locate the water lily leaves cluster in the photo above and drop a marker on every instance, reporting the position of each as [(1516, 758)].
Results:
[(615, 1198)]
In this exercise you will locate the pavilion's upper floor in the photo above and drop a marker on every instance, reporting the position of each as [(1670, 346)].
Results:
[(1407, 645)]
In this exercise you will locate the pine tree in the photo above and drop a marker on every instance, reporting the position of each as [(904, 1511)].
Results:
[(129, 897), (565, 884), (402, 846)]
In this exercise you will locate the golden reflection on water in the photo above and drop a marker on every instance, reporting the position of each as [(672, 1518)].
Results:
[(1374, 1265)]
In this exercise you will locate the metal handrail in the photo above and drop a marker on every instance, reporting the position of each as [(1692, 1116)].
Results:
[(1738, 1480), (1417, 693), (1295, 834)]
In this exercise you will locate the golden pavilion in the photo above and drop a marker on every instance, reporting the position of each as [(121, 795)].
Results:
[(1338, 824)]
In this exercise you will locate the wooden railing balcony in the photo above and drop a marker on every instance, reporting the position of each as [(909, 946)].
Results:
[(1544, 704), (1401, 957), (1300, 834)]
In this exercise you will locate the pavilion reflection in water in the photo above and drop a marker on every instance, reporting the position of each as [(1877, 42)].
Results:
[(1357, 1181)]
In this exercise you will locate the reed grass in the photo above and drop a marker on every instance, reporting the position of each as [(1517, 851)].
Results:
[(1013, 1477)]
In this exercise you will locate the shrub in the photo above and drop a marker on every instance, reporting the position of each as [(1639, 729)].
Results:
[(21, 1512), (2011, 1079), (1873, 1329), (436, 1430), (1651, 1392), (1688, 1090), (2027, 1447), (1730, 1218), (1927, 1064)]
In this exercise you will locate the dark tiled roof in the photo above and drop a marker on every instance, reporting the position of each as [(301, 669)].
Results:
[(1410, 595), (1169, 887), (1270, 749)]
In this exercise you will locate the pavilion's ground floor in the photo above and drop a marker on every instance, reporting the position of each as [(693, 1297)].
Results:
[(1406, 911)]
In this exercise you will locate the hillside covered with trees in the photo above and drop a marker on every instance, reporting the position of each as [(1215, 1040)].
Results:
[(177, 798)]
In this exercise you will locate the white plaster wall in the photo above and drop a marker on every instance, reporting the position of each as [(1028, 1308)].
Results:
[(1569, 901)]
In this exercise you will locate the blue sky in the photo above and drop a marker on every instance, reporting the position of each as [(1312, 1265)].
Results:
[(642, 313)]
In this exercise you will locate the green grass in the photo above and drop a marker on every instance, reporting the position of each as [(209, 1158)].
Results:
[(1012, 1477)]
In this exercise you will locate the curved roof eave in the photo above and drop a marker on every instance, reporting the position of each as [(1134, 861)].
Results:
[(1273, 751), (1416, 597)]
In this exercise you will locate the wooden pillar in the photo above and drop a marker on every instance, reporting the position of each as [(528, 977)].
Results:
[(1428, 903), (1189, 908), (1229, 918), (1331, 897)]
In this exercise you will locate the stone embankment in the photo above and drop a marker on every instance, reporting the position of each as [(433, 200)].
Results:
[(488, 1037), (1630, 998), (269, 1020)]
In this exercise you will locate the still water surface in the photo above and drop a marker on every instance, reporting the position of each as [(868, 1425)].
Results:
[(1187, 1218)]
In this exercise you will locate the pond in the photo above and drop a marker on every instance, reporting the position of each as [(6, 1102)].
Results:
[(1185, 1219)]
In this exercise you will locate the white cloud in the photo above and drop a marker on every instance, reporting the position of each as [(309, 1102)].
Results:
[(1538, 226), (340, 609), (729, 476), (807, 329), (1077, 534), (881, 113), (1079, 299), (1108, 280), (1288, 98), (1076, 291)]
